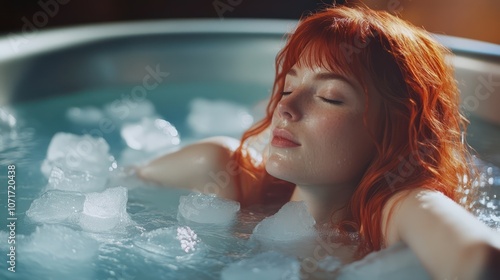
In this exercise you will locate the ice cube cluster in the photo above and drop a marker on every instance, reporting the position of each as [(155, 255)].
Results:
[(92, 212), (207, 209), (77, 193), (144, 132)]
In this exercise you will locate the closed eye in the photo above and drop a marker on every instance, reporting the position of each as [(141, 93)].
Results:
[(332, 101), (286, 93)]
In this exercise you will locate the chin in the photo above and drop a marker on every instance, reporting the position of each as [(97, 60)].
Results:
[(279, 171)]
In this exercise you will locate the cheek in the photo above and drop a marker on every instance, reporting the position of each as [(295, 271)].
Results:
[(341, 149)]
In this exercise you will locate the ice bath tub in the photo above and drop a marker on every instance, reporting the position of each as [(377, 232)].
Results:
[(178, 66)]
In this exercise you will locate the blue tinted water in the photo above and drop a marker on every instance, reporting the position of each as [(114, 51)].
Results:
[(151, 208)]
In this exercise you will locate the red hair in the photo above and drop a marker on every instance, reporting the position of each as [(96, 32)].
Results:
[(420, 144)]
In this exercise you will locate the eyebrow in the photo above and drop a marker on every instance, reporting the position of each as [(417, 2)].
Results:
[(323, 76)]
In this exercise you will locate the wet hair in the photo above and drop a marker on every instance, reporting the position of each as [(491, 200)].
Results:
[(419, 142)]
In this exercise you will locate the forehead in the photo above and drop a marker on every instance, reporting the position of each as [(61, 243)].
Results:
[(325, 57), (321, 73)]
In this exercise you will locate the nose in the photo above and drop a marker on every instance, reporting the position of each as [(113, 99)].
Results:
[(288, 108)]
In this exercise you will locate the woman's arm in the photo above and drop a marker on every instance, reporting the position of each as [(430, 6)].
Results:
[(205, 166), (449, 241)]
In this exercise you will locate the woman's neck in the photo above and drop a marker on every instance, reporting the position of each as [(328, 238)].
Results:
[(325, 204)]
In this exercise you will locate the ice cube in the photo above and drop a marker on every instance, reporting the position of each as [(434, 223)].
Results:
[(85, 115), (126, 110), (172, 241), (56, 206), (264, 266), (208, 117), (76, 180), (291, 223), (75, 152), (105, 211), (150, 134), (207, 209)]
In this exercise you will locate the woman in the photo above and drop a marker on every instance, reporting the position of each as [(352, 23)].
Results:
[(366, 130)]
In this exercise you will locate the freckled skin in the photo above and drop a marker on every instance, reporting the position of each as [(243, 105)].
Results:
[(336, 147)]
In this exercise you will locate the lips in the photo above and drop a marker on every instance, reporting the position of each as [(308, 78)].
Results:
[(282, 138)]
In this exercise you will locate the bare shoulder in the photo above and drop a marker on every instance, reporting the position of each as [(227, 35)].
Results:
[(203, 166)]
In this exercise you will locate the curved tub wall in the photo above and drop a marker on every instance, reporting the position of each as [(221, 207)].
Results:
[(477, 67), (64, 60), (61, 61)]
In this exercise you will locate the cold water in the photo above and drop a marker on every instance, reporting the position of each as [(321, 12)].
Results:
[(82, 214)]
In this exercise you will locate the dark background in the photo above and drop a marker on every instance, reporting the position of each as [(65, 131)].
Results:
[(463, 18), (14, 13)]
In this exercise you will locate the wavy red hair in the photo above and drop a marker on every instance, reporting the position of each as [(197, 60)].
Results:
[(421, 141)]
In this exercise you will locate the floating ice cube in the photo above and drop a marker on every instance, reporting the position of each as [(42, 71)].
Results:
[(150, 134), (56, 206), (85, 115), (264, 266), (393, 263), (123, 110), (172, 241), (80, 153), (218, 117), (105, 211), (291, 223), (76, 180), (207, 209)]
